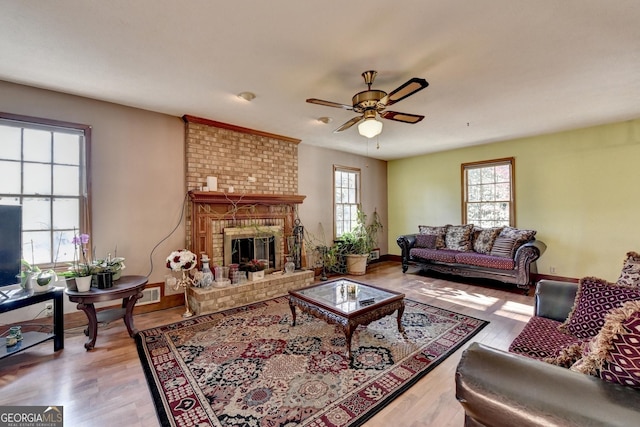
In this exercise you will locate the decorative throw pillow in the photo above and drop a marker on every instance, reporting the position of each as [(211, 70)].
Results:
[(440, 232), (630, 275), (427, 241), (594, 299), (520, 236), (614, 354), (458, 237), (485, 238), (503, 247), (568, 355)]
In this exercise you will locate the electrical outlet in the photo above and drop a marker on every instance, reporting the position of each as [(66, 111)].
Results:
[(48, 309)]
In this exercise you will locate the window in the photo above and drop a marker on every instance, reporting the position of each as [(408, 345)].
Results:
[(346, 199), (488, 195), (44, 168)]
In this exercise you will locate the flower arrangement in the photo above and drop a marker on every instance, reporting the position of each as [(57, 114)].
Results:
[(86, 267), (181, 260), (254, 265)]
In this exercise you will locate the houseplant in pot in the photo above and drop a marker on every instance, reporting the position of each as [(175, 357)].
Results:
[(255, 269), (82, 266), (357, 244)]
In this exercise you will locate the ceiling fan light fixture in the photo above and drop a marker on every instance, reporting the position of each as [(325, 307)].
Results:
[(370, 128), (247, 96)]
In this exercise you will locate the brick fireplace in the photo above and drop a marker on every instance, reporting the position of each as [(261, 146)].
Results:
[(257, 175), (243, 215)]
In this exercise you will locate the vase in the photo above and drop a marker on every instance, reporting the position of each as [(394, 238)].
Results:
[(289, 266), (83, 283), (116, 274), (103, 280)]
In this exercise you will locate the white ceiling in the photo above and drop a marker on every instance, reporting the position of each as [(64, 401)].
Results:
[(497, 69)]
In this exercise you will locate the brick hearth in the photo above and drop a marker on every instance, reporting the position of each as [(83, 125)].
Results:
[(203, 301)]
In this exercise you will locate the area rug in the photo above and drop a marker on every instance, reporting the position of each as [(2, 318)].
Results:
[(249, 367)]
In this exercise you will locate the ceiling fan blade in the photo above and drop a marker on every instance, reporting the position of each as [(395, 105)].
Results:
[(329, 103), (409, 88), (401, 117), (348, 124)]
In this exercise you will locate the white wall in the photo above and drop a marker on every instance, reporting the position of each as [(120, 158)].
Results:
[(315, 180), (137, 176), (138, 185)]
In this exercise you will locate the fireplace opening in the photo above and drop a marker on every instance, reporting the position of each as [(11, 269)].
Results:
[(244, 250), (243, 244)]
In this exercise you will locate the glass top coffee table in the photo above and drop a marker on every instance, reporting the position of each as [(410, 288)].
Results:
[(347, 303)]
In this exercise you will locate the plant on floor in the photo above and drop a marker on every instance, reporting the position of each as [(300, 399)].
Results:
[(363, 238)]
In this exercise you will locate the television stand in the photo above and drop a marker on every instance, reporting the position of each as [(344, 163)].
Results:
[(19, 299)]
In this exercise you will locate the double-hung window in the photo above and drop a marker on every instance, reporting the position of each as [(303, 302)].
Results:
[(44, 168), (346, 199), (488, 193)]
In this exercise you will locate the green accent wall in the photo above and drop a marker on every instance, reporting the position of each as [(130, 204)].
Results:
[(578, 189)]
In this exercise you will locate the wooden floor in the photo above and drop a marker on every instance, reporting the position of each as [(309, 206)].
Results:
[(106, 386)]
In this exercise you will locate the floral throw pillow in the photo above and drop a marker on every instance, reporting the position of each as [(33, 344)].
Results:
[(614, 354), (594, 299), (630, 275), (440, 232), (458, 237), (485, 238)]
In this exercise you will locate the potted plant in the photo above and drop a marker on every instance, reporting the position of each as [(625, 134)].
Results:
[(115, 265), (255, 269), (82, 271), (356, 245)]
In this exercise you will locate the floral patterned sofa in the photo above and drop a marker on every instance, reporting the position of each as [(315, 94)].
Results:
[(590, 331), (505, 254)]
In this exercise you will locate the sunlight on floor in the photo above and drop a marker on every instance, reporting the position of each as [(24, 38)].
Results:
[(478, 301), (457, 296), (515, 310)]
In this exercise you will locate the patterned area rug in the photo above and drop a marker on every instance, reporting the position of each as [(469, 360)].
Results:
[(249, 367)]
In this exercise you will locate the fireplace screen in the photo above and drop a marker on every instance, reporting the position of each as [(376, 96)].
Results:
[(245, 250), (242, 245)]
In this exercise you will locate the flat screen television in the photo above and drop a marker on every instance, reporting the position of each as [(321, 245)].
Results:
[(10, 244)]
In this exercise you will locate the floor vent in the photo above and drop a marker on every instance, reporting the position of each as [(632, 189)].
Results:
[(149, 296)]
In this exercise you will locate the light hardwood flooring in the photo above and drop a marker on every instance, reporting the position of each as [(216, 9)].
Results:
[(107, 387)]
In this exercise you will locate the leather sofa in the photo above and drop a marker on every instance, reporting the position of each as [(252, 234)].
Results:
[(499, 388)]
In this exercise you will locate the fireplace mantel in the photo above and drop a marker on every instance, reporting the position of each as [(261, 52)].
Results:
[(211, 212), (219, 198)]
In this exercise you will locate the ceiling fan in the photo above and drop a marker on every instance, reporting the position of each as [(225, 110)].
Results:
[(371, 102)]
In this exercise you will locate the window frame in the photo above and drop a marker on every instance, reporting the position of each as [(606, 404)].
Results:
[(84, 214), (358, 191), (465, 167)]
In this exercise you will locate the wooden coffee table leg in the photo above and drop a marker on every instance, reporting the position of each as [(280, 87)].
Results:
[(293, 313), (400, 312), (92, 328), (348, 332)]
